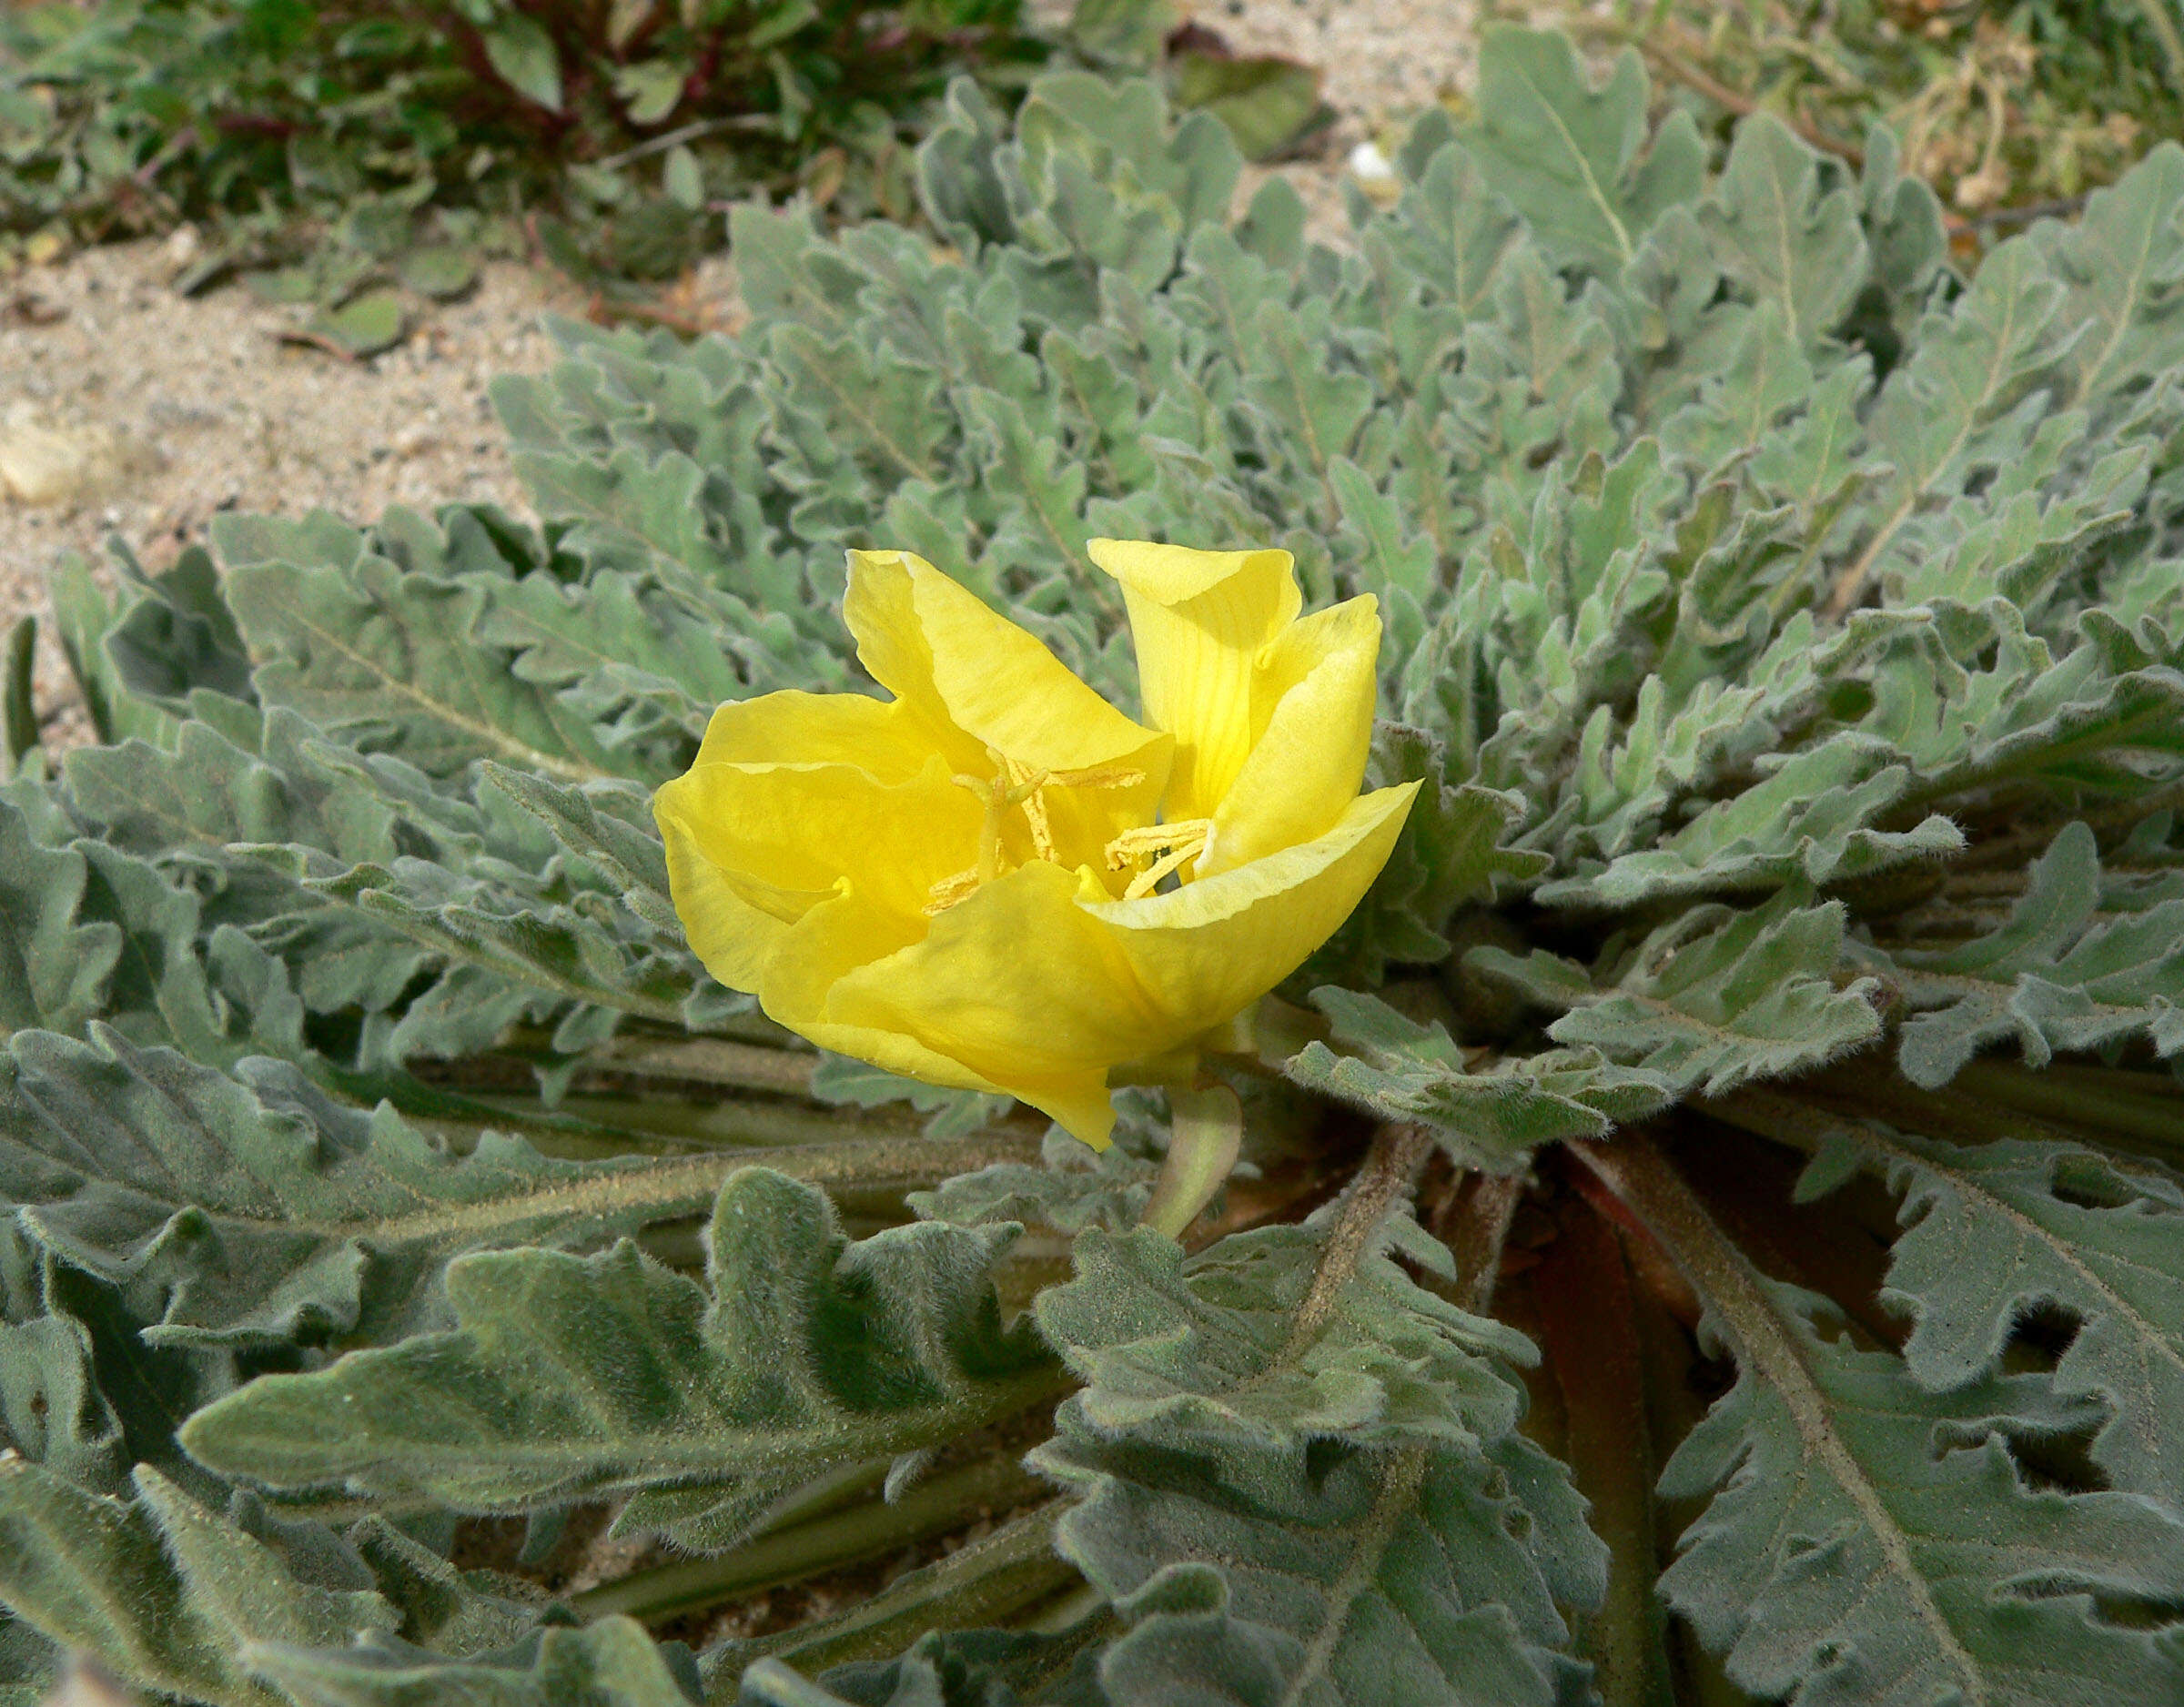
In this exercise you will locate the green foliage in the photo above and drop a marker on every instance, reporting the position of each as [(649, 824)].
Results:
[(2072, 968), (263, 1211), (1421, 1559), (1906, 1578), (408, 137), (1710, 1001), (161, 1590), (1781, 632), (1994, 1230), (612, 1661), (1495, 1115), (565, 1376), (2091, 83)]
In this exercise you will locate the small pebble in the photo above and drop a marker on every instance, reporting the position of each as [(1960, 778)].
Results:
[(1370, 165)]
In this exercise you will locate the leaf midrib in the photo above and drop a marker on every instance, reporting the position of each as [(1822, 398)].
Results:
[(574, 770), (1768, 1347)]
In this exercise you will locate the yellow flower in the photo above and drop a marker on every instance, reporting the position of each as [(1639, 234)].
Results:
[(998, 881)]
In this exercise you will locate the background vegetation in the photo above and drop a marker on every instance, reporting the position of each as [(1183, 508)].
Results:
[(332, 152), (2008, 108)]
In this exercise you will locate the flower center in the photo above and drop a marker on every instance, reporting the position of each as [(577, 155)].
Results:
[(1016, 786)]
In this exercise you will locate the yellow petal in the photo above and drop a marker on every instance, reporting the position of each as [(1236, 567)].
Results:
[(1205, 951), (1200, 621), (834, 938), (1021, 986), (980, 681), (1311, 710), (793, 727), (752, 848), (844, 935)]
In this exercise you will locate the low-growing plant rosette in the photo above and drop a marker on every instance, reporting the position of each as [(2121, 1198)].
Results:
[(996, 881)]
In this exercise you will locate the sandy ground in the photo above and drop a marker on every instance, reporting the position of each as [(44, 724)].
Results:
[(129, 411)]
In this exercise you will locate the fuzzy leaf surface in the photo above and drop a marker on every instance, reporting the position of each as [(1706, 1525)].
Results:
[(2058, 974), (164, 1593), (1403, 1070), (1298, 1478), (1713, 999), (567, 1376), (255, 1209), (1994, 1230), (1872, 1541)]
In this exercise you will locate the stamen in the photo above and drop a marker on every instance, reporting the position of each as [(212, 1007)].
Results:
[(1150, 879), (1015, 783), (1027, 783), (1175, 844), (1099, 777), (948, 891)]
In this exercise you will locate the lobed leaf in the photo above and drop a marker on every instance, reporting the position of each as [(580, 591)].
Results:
[(1996, 1230), (1238, 1342), (159, 1590), (1710, 1000), (565, 1376), (1869, 1539), (1403, 1070), (254, 1209), (1567, 156), (2056, 975)]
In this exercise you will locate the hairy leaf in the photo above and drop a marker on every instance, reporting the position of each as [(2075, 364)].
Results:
[(256, 1209), (1868, 1539), (566, 1376), (163, 1593), (1568, 157), (1995, 1231), (1238, 1342), (1711, 1000), (1403, 1070), (53, 970), (611, 1663), (2057, 975), (1376, 1575), (346, 638)]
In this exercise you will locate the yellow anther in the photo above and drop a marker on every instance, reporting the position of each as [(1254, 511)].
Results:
[(1171, 846), (1025, 783), (948, 891)]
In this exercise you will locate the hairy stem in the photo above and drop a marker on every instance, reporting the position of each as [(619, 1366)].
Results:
[(825, 1543), (712, 1061), (1475, 1228), (981, 1584), (1388, 1177)]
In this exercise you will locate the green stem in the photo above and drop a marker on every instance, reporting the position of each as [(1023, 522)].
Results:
[(1386, 1178), (825, 1543), (981, 1584), (1475, 1231), (460, 1116), (18, 714), (1207, 1134), (2164, 29), (2002, 1100), (702, 1126), (712, 1061)]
